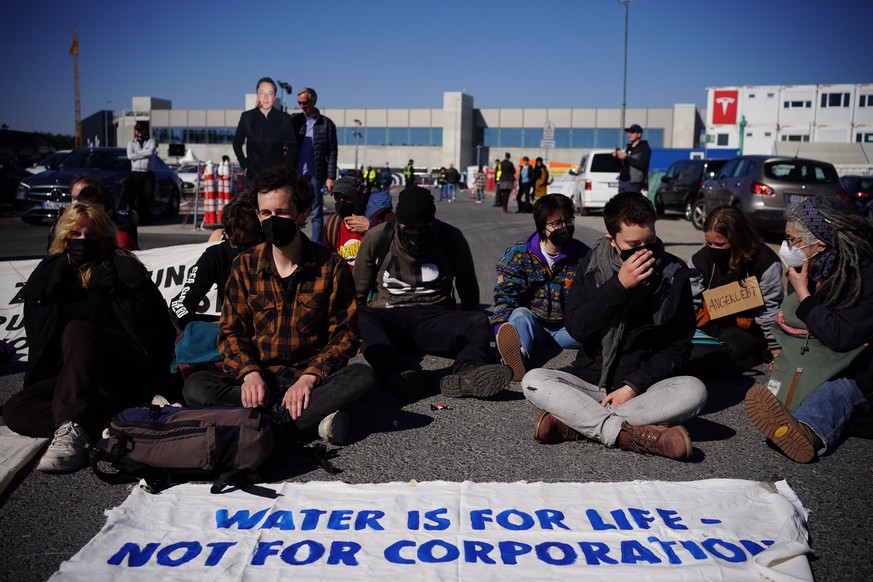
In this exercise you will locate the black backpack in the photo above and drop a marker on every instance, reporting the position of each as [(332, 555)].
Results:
[(165, 445)]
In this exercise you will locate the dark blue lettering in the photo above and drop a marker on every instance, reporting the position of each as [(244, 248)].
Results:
[(369, 519), (550, 517), (479, 517), (284, 520), (568, 557), (289, 554), (437, 523), (505, 521), (596, 553), (671, 518), (264, 551), (135, 555), (620, 519), (241, 519), (218, 551), (392, 552), (751, 547), (343, 552), (737, 553), (693, 549), (338, 517), (192, 550), (509, 551), (426, 552), (413, 519), (478, 552), (310, 518), (668, 549), (596, 521), (633, 551), (641, 517)]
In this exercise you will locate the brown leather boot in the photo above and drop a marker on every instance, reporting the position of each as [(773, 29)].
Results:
[(769, 415), (673, 443), (549, 430)]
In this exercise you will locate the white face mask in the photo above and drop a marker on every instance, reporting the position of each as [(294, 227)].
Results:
[(793, 256)]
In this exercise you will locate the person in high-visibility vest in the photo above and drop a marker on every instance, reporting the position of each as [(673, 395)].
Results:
[(497, 172), (370, 178), (409, 173)]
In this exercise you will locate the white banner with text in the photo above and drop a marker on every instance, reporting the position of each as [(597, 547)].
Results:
[(719, 529)]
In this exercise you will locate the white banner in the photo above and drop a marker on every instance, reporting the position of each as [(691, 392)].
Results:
[(720, 529), (169, 267)]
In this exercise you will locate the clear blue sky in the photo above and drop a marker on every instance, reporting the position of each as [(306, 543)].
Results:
[(402, 53)]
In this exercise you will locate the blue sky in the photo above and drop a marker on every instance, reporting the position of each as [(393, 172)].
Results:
[(397, 54)]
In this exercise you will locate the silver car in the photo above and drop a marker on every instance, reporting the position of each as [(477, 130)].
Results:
[(763, 186)]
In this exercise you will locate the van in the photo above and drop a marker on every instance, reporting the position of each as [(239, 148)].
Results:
[(596, 180)]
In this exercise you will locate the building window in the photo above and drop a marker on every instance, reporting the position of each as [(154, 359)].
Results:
[(771, 95), (795, 137), (721, 139), (864, 137), (797, 104), (751, 95), (749, 134), (865, 101), (834, 100), (768, 134)]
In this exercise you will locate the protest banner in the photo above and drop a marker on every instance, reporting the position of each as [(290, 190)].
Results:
[(718, 529), (169, 268), (734, 297)]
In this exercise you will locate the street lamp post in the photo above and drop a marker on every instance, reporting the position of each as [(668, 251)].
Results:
[(478, 151), (356, 133), (624, 79)]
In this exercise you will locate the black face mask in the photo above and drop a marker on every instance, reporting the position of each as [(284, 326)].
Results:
[(279, 231), (720, 255), (415, 240), (561, 237), (628, 253), (344, 209), (84, 250)]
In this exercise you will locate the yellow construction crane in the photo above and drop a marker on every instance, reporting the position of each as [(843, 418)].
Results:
[(74, 50)]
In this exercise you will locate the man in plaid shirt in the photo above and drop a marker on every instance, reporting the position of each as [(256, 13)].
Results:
[(289, 322)]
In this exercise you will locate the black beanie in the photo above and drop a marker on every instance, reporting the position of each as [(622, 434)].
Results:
[(415, 206)]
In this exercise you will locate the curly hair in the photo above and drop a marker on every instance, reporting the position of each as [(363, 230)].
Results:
[(732, 224), (280, 178), (851, 242)]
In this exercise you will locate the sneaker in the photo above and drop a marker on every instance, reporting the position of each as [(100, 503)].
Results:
[(481, 381), (673, 443), (795, 439), (549, 430), (160, 400), (334, 428), (509, 346), (68, 451), (410, 385)]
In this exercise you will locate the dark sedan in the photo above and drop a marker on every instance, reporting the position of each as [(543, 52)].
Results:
[(860, 191), (45, 195)]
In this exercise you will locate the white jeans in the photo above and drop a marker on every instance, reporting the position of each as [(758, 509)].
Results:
[(576, 403)]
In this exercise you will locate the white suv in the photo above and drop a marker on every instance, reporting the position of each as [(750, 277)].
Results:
[(596, 180)]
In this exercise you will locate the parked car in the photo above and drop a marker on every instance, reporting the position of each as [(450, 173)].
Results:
[(49, 162), (763, 186), (596, 180), (681, 188), (10, 176), (44, 196), (859, 189)]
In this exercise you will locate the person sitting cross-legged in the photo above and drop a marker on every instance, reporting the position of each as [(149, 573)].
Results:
[(630, 307), (533, 278)]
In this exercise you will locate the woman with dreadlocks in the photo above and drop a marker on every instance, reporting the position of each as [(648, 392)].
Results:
[(828, 250)]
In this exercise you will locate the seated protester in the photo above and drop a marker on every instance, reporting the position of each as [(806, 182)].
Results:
[(532, 282), (289, 323), (828, 250), (733, 253), (126, 232), (242, 231), (412, 268), (100, 339), (344, 230), (630, 307)]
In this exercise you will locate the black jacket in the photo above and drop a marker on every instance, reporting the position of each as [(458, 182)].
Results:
[(658, 329), (212, 268), (324, 144), (635, 167), (269, 140), (129, 298)]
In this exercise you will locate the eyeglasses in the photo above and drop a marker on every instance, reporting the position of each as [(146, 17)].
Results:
[(302, 103), (561, 223), (793, 240)]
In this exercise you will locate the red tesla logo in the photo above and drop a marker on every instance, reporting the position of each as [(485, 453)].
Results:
[(724, 108)]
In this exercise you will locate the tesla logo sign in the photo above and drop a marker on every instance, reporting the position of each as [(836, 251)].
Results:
[(724, 108)]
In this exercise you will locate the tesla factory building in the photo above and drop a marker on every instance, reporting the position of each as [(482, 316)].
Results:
[(829, 122)]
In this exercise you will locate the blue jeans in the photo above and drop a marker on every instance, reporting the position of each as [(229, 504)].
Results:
[(480, 194), (451, 191), (317, 216), (443, 188), (533, 332), (827, 410)]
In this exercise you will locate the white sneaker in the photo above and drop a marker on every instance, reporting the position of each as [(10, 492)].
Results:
[(67, 452), (334, 428), (161, 400)]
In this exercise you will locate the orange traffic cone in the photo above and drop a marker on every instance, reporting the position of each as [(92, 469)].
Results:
[(210, 204)]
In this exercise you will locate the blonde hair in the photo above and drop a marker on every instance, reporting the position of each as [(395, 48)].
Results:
[(73, 216)]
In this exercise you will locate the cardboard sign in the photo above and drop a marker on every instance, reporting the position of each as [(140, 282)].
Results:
[(733, 298)]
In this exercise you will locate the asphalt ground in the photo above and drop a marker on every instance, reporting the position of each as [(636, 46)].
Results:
[(45, 519)]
